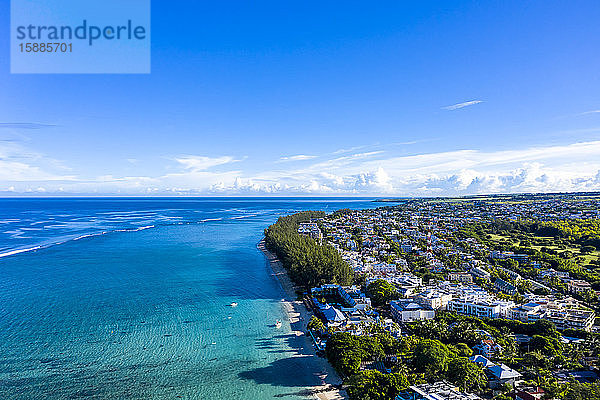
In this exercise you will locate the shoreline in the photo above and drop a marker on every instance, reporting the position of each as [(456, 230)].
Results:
[(298, 317)]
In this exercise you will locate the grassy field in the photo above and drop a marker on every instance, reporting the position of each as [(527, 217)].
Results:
[(587, 258)]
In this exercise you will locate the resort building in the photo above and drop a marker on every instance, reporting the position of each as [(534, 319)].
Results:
[(480, 307), (571, 318), (565, 314), (436, 391), (479, 272), (578, 286), (498, 374), (528, 312), (460, 277), (433, 298), (505, 287), (407, 310)]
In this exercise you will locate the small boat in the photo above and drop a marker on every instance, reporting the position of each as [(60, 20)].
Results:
[(278, 324), (234, 304)]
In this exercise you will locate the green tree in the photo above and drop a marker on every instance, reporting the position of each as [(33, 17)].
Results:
[(582, 391), (381, 292), (315, 324), (544, 328), (589, 296), (466, 374), (346, 351), (431, 357), (463, 350), (375, 385), (549, 346)]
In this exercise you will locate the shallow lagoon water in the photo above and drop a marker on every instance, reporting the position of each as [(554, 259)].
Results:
[(124, 312)]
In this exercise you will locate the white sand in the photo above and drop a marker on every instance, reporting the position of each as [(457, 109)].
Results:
[(299, 316)]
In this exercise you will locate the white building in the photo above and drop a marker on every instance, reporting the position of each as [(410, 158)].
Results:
[(460, 277), (433, 298), (406, 310), (481, 307), (578, 286)]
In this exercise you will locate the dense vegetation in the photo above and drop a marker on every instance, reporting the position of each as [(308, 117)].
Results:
[(566, 245), (416, 360), (381, 292), (379, 366), (583, 391), (308, 263), (585, 232), (536, 359)]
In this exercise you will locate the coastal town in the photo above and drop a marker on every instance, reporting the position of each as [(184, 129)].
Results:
[(468, 298)]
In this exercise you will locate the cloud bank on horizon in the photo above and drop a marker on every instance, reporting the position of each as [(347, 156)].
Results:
[(568, 167)]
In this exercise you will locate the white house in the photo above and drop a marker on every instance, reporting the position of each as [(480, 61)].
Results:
[(406, 310)]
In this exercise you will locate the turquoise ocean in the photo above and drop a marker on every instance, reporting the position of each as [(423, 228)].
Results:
[(129, 299)]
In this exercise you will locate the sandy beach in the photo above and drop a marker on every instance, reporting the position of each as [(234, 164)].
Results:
[(298, 317)]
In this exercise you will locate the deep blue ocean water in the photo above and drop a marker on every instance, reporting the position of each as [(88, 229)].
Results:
[(127, 299)]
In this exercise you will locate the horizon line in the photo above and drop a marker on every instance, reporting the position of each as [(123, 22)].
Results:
[(378, 197)]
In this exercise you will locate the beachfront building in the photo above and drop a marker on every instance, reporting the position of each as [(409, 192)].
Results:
[(498, 374), (330, 314), (481, 306), (442, 390), (564, 313), (528, 312), (335, 292), (407, 310)]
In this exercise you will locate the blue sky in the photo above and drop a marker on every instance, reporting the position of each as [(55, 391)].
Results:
[(345, 98)]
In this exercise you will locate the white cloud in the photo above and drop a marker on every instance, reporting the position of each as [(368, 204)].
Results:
[(200, 163), (19, 164), (590, 112), (462, 105), (299, 157), (24, 125), (376, 182)]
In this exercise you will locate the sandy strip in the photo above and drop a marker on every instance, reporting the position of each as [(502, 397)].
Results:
[(299, 317)]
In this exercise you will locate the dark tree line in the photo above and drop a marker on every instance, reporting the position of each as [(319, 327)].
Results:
[(308, 263)]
